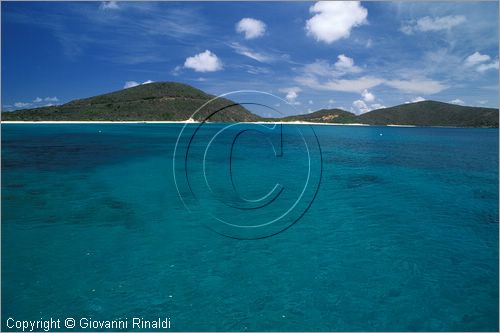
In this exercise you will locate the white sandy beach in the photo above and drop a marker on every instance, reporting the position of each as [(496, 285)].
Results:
[(196, 122), (177, 122)]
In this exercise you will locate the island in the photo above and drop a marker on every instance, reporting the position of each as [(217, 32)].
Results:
[(172, 101)]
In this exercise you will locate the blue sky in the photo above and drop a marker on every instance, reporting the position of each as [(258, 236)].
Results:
[(357, 56)]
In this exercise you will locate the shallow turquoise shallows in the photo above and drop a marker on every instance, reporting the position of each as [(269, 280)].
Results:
[(402, 234)]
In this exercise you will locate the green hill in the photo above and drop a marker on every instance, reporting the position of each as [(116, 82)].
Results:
[(426, 113), (167, 101), (432, 113), (325, 116), (170, 101)]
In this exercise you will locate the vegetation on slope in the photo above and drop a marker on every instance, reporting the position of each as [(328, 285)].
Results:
[(170, 101), (325, 116), (167, 101), (432, 113)]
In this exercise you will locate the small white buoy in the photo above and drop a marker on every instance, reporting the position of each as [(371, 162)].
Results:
[(170, 296), (380, 134)]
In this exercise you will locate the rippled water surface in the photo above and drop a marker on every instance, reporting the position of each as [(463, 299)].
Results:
[(402, 234)]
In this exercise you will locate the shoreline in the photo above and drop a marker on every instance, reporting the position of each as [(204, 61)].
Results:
[(69, 122), (176, 122), (76, 122)]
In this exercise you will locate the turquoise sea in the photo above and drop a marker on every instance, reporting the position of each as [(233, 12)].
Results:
[(402, 234)]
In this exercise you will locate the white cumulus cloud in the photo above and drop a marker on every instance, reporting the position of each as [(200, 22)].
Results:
[(130, 84), (417, 99), (346, 64), (406, 29), (457, 101), (21, 104), (343, 65), (377, 106), (359, 107), (480, 62), (367, 96), (476, 58), (203, 62), (37, 102), (291, 94), (334, 20), (484, 67), (251, 28)]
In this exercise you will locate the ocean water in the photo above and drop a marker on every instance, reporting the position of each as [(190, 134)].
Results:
[(400, 235)]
